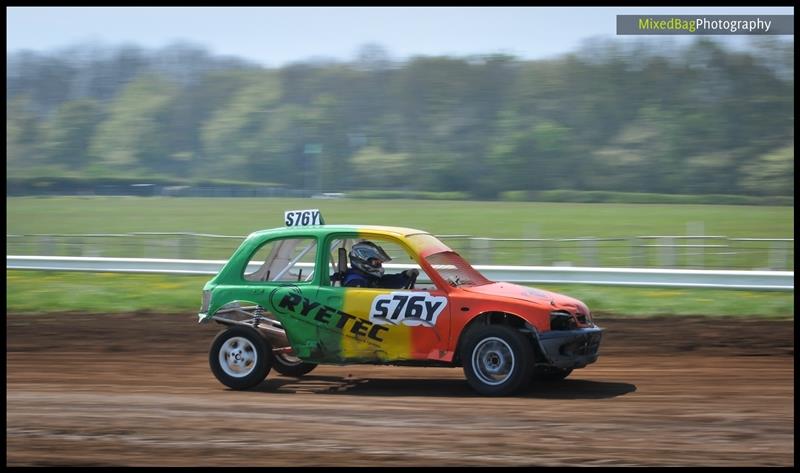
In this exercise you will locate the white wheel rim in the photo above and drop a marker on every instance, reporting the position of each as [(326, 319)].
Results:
[(493, 361), (238, 357)]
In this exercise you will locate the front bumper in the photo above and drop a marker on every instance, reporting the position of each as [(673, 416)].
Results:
[(568, 349)]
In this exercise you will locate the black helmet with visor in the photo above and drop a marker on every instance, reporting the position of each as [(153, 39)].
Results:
[(368, 257)]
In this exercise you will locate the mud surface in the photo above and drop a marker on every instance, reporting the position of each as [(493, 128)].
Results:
[(136, 389)]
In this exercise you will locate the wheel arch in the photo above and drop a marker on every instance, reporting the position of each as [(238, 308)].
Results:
[(241, 313), (498, 318)]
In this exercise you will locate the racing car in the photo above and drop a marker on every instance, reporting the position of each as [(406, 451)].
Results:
[(284, 306)]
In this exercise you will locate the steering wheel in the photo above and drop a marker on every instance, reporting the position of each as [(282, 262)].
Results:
[(410, 284)]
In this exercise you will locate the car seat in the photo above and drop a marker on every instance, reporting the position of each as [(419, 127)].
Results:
[(341, 268)]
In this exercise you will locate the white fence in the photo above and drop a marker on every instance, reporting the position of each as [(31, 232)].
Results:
[(752, 280), (660, 251)]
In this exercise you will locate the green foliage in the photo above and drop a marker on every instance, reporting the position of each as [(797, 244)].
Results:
[(134, 136), (68, 134), (641, 198), (771, 173), (399, 194), (634, 117), (22, 130), (69, 184), (374, 168), (234, 137)]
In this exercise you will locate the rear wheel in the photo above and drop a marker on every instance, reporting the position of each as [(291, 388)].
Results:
[(498, 360), (239, 357), (290, 365)]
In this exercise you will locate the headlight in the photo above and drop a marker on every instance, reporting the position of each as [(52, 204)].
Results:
[(206, 302), (562, 320)]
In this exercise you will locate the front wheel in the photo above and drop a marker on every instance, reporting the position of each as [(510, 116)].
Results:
[(239, 358), (498, 360), (289, 365)]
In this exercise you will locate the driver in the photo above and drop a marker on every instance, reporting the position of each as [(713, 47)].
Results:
[(366, 269)]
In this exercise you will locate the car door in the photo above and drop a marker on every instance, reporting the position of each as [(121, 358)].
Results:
[(281, 276), (381, 324)]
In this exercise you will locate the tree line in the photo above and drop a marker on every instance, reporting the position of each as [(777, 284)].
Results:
[(643, 116)]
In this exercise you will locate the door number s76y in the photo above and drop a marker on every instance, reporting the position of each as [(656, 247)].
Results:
[(407, 308)]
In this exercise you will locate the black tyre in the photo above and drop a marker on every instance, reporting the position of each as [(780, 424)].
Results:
[(289, 365), (498, 360), (550, 373), (240, 358)]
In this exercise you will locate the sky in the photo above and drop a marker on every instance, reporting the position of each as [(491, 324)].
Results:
[(275, 36)]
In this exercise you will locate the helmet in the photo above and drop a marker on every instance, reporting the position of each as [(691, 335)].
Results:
[(368, 257)]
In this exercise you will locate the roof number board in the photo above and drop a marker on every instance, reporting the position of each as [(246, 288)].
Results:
[(303, 218)]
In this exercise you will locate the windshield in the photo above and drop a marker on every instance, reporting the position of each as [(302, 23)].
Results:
[(455, 270)]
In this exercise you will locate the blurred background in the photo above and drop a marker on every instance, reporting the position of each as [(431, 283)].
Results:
[(701, 115), (531, 136)]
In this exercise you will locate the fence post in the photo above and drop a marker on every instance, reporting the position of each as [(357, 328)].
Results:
[(589, 250), (553, 246), (74, 247), (90, 248), (696, 229), (46, 246), (533, 254), (149, 248), (187, 245), (173, 247), (637, 252), (777, 255), (666, 252), (480, 250)]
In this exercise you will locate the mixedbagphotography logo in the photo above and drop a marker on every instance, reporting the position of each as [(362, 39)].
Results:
[(705, 24)]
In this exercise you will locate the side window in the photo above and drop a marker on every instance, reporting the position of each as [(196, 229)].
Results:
[(401, 258), (288, 259), (398, 254), (335, 255)]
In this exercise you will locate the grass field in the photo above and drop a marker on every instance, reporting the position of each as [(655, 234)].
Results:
[(38, 292), (225, 216), (488, 219)]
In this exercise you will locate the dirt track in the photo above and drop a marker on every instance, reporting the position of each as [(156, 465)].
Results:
[(136, 389)]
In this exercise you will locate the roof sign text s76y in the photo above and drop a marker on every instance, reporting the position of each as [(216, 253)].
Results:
[(303, 218)]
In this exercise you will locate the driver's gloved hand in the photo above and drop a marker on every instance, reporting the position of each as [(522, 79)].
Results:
[(411, 273)]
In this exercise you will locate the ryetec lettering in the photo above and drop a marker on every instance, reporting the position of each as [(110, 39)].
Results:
[(331, 317)]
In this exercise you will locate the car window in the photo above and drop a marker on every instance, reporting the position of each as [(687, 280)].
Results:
[(455, 270), (401, 258), (344, 242), (288, 259)]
